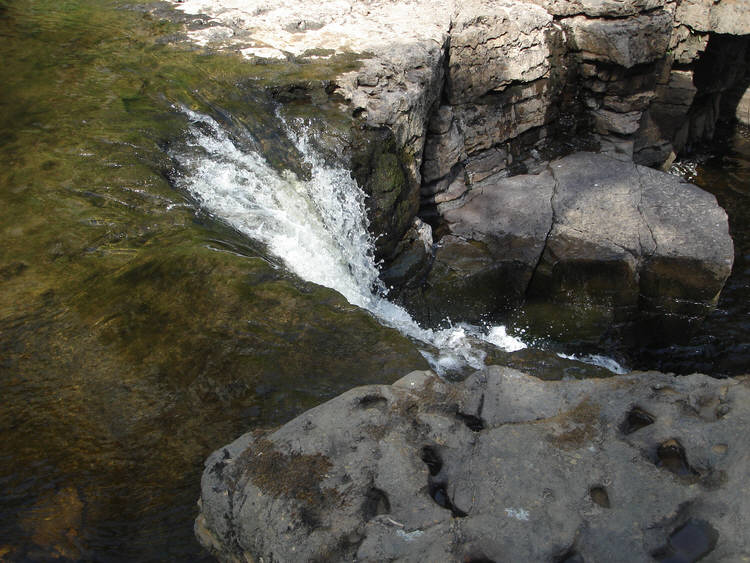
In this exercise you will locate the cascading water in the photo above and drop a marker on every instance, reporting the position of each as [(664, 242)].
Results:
[(318, 227)]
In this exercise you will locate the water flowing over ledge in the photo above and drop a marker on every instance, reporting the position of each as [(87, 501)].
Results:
[(318, 227)]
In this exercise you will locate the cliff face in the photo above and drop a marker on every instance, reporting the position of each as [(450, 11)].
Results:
[(452, 95)]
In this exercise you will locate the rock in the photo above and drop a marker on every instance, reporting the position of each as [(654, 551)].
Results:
[(413, 257), (502, 226), (689, 263), (617, 224), (741, 103), (494, 43), (626, 42), (501, 467), (730, 17), (444, 149), (590, 229), (723, 16), (600, 8)]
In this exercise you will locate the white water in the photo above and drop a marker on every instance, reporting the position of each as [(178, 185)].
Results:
[(318, 227), (597, 360)]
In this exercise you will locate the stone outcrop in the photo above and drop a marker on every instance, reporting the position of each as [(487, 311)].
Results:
[(642, 244), (453, 97), (500, 467)]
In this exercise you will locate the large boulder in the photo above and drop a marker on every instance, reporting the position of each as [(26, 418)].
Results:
[(501, 467), (591, 229), (497, 237)]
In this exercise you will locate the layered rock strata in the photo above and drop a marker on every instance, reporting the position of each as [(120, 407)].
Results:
[(455, 96), (500, 467)]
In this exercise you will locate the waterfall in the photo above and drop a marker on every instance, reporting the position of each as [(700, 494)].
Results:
[(318, 228)]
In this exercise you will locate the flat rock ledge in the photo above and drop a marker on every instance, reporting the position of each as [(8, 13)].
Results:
[(499, 467)]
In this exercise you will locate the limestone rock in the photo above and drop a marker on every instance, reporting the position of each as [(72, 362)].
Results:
[(590, 229), (600, 8), (616, 234), (503, 225), (413, 257), (626, 42), (703, 256), (722, 16), (442, 149), (502, 466), (495, 43)]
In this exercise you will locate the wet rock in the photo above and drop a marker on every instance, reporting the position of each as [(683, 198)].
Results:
[(690, 234), (496, 239), (641, 243), (548, 475), (413, 257)]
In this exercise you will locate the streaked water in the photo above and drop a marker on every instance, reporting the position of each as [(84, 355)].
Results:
[(318, 227)]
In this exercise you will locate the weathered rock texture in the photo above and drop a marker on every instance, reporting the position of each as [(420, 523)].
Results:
[(501, 467)]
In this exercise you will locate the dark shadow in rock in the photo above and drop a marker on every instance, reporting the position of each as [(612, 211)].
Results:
[(570, 556), (688, 543), (438, 489), (432, 459), (372, 401), (477, 559), (637, 418), (376, 502), (599, 496), (473, 423), (439, 493), (671, 456)]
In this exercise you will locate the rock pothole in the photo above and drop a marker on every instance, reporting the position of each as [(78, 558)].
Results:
[(672, 457), (688, 543), (600, 496), (636, 419)]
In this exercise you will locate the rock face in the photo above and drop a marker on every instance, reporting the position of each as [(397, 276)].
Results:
[(501, 467), (642, 243), (453, 97)]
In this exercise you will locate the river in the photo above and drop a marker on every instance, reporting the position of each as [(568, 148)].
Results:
[(168, 282)]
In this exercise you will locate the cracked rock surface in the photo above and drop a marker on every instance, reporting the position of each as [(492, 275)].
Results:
[(500, 467), (588, 227)]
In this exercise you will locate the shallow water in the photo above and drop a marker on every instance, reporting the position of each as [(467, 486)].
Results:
[(138, 333)]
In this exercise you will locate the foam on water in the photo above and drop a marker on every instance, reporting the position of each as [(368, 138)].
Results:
[(318, 228), (597, 360)]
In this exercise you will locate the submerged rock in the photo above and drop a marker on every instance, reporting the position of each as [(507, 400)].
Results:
[(501, 467)]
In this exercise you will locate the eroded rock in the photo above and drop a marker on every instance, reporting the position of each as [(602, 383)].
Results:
[(502, 466)]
